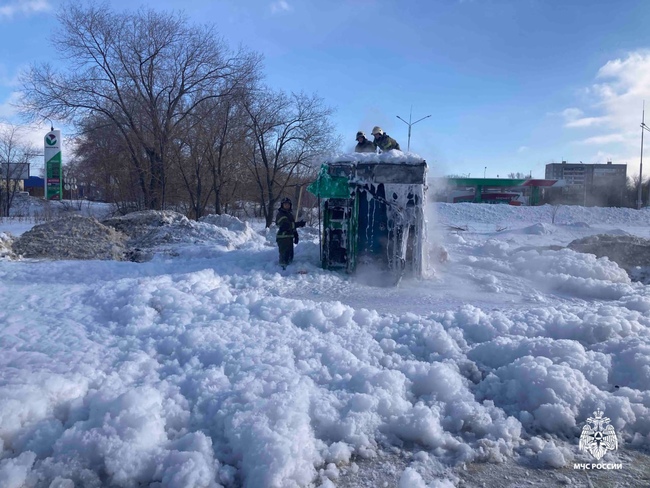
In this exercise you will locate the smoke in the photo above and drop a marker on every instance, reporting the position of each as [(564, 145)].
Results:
[(435, 253)]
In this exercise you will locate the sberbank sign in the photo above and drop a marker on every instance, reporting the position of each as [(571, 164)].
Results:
[(53, 172)]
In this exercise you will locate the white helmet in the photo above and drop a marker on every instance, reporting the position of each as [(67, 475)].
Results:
[(377, 131)]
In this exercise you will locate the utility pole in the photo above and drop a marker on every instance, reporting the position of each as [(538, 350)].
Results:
[(409, 123), (639, 201)]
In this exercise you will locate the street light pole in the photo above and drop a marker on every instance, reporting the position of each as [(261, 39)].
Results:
[(409, 123), (639, 199)]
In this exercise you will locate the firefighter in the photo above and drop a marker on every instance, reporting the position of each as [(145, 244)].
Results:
[(383, 141), (287, 234), (364, 145)]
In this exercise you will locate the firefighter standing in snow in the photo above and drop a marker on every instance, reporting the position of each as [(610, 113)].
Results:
[(287, 234), (383, 141), (364, 145)]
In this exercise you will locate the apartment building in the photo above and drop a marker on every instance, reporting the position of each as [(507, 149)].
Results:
[(590, 185)]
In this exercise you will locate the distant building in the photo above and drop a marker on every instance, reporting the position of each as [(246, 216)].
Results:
[(601, 185), (521, 191), (35, 186)]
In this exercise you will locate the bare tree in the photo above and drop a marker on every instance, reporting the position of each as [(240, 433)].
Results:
[(518, 176), (14, 164), (632, 188), (554, 210), (207, 154), (102, 165), (145, 72), (286, 132)]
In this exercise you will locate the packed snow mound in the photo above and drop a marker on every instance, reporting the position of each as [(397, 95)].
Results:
[(139, 224), (72, 237), (234, 231), (227, 221), (158, 230), (5, 245), (135, 237), (625, 250), (393, 156), (538, 229)]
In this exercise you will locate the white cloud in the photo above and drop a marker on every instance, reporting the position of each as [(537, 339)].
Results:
[(280, 6), (587, 122), (23, 7), (574, 117), (8, 106), (523, 149), (614, 103), (604, 139), (571, 114)]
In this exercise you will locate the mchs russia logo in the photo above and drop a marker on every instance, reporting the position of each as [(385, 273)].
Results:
[(598, 437)]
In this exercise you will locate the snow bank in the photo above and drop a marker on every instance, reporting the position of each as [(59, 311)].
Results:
[(394, 157), (222, 372)]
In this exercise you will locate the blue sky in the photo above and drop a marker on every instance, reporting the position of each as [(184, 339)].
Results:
[(510, 85)]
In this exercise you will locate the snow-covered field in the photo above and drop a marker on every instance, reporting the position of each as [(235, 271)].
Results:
[(208, 368)]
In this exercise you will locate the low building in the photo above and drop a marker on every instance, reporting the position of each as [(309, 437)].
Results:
[(35, 186), (526, 191)]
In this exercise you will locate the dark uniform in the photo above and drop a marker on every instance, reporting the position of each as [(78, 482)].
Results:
[(364, 145), (287, 233), (385, 142)]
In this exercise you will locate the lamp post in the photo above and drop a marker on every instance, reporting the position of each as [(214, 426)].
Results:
[(409, 123), (484, 172), (639, 199)]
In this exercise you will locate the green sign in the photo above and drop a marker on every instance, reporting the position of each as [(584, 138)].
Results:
[(53, 173)]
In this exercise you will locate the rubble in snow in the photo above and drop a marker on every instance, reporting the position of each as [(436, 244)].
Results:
[(72, 237), (133, 237), (140, 225), (152, 231), (630, 252)]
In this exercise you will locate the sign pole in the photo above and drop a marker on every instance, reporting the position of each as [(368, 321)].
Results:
[(53, 175)]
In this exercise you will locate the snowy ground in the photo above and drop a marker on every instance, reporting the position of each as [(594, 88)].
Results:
[(207, 367)]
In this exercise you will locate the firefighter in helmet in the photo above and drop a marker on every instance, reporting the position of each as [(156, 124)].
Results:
[(287, 234)]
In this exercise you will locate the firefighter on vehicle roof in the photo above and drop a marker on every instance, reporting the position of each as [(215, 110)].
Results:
[(383, 141), (364, 145)]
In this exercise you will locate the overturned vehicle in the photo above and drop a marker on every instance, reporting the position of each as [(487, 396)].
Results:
[(372, 212)]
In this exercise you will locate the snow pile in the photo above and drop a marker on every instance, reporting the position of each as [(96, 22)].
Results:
[(625, 250), (5, 245), (72, 237), (538, 229), (232, 232), (162, 231), (394, 157), (463, 213), (222, 372), (135, 237)]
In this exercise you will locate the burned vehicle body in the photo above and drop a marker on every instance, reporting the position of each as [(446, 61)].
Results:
[(373, 214)]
